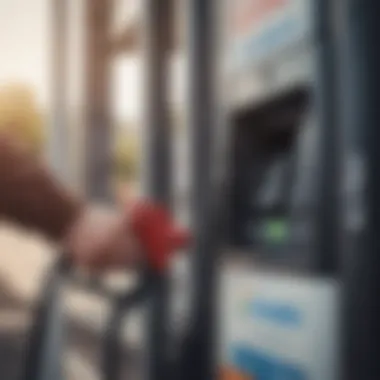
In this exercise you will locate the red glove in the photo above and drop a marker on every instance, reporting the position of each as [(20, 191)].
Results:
[(157, 234)]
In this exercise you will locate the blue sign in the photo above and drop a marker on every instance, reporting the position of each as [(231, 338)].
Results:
[(262, 366), (280, 313)]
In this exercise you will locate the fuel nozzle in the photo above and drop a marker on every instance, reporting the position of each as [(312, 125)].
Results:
[(157, 233)]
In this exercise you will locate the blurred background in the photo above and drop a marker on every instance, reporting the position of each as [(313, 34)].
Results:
[(266, 104), (46, 73)]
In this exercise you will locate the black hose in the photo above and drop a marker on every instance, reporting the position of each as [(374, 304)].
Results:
[(38, 334), (113, 348)]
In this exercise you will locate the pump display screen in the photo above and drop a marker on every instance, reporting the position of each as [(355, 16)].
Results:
[(274, 179), (269, 226)]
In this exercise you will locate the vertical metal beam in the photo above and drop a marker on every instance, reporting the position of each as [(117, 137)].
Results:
[(43, 356), (327, 105), (158, 34), (361, 260), (198, 361), (158, 130), (49, 324), (59, 132), (98, 128)]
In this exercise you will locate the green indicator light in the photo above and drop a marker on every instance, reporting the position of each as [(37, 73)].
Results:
[(276, 230)]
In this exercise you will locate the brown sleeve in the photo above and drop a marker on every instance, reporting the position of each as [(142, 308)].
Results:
[(29, 195)]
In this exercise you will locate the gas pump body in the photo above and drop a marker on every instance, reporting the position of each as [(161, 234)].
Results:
[(280, 306)]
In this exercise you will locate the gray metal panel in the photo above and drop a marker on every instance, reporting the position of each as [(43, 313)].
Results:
[(360, 115), (327, 104)]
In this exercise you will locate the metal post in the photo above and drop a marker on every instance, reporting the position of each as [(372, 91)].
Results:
[(59, 131), (49, 327), (198, 361), (98, 137), (361, 261), (157, 28), (327, 104)]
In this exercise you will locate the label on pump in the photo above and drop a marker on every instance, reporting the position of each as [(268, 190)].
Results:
[(259, 28), (276, 327), (268, 48)]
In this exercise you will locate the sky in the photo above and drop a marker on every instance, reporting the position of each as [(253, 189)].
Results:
[(25, 57)]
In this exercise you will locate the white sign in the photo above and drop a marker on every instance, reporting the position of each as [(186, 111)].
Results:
[(258, 28), (276, 327)]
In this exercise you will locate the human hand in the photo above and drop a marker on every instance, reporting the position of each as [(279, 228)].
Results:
[(100, 240), (104, 239)]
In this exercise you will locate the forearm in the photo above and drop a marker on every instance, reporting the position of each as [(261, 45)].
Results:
[(29, 195)]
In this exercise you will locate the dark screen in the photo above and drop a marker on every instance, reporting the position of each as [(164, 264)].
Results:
[(274, 178)]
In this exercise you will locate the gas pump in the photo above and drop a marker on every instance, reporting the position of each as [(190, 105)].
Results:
[(281, 310)]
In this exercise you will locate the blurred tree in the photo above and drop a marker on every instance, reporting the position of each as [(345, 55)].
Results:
[(127, 156), (20, 115)]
